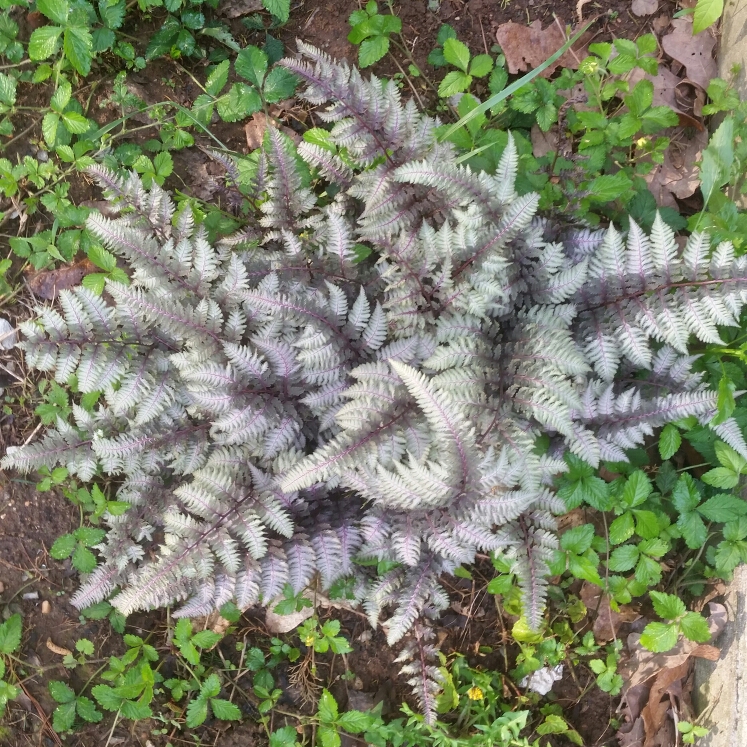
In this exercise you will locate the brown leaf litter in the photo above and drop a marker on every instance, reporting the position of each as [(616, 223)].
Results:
[(47, 284), (527, 47), (656, 694)]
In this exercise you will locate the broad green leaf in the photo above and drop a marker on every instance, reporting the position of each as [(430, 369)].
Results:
[(481, 65), (454, 82), (106, 697), (721, 477), (328, 736), (723, 508), (78, 45), (44, 42), (211, 686), (283, 737), (707, 12), (456, 53), (61, 96), (217, 78), (695, 627), (83, 559), (640, 98), (7, 92), (63, 717), (87, 710), (279, 8), (241, 101), (578, 540), (669, 441), (135, 711), (56, 10), (685, 495), (327, 707), (251, 64), (714, 173), (609, 187), (622, 528), (646, 524), (354, 722), (372, 50), (659, 637), (623, 558), (693, 529), (729, 458), (225, 710), (63, 546), (75, 123), (582, 566), (206, 638), (280, 84), (637, 489), (163, 165), (500, 585), (61, 692), (668, 606)]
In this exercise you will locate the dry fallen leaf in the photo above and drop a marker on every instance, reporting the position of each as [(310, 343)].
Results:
[(608, 621), (644, 7), (694, 52), (526, 47), (238, 8), (48, 283), (55, 649)]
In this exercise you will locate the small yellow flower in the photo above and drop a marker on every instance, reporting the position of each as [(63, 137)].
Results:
[(475, 693), (642, 142), (309, 640)]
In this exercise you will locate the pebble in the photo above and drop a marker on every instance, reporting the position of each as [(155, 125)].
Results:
[(42, 156), (46, 607), (2, 587), (30, 595)]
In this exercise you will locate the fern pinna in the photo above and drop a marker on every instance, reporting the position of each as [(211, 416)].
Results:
[(276, 409)]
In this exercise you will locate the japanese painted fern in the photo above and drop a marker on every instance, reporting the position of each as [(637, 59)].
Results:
[(275, 409)]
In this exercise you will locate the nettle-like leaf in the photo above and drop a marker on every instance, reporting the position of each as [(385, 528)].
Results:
[(273, 412)]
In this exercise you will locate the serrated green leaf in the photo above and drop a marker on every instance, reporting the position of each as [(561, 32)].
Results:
[(327, 707), (328, 736), (78, 46), (372, 50), (206, 638), (454, 82), (481, 65), (668, 606), (695, 627), (61, 692), (251, 64), (685, 495), (637, 489), (7, 92), (721, 477), (75, 123), (723, 508), (63, 547), (87, 710), (44, 42), (609, 187), (578, 539), (217, 78), (135, 711), (83, 559), (279, 8), (280, 84), (726, 386), (354, 722), (456, 53), (56, 10), (197, 712), (225, 710), (659, 637), (693, 529), (106, 697), (669, 441), (163, 165), (707, 12), (729, 458), (622, 528), (63, 717), (623, 558)]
